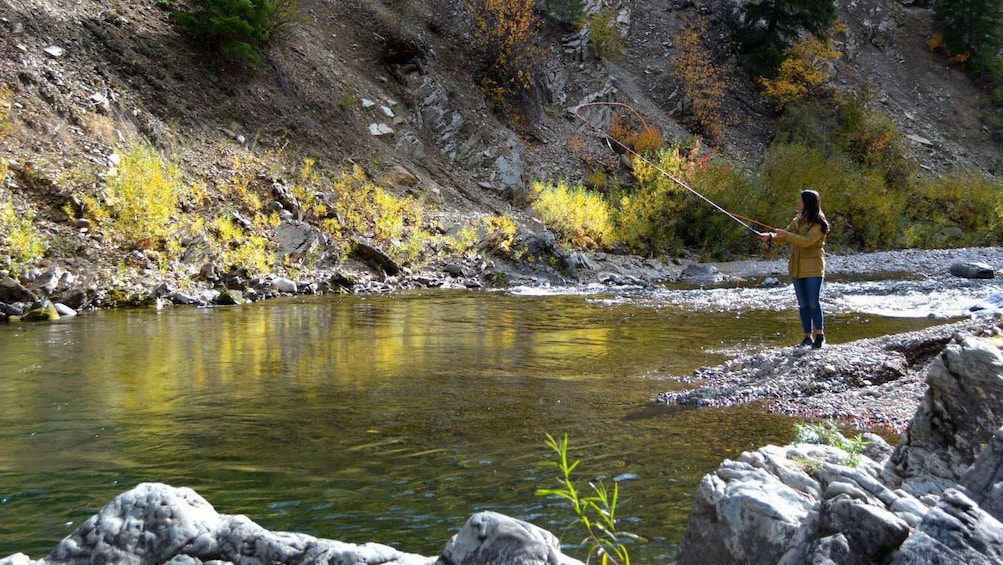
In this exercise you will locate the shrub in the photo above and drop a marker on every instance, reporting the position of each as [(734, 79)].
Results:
[(874, 141), (567, 11), (605, 38), (505, 34), (596, 512), (581, 218), (494, 234), (961, 208), (703, 80), (632, 134), (21, 244), (240, 248), (647, 215), (807, 68), (359, 207), (864, 212), (235, 28), (139, 199)]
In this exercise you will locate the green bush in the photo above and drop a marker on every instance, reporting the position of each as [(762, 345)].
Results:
[(865, 213), (235, 28), (960, 208)]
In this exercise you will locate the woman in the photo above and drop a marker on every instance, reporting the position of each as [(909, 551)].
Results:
[(806, 233)]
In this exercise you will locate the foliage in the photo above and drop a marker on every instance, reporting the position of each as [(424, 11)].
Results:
[(803, 73), (596, 513), (605, 38), (139, 200), (21, 244), (634, 135), (827, 433), (973, 34), (235, 28), (766, 29), (647, 215), (495, 234), (703, 81), (873, 140), (864, 212), (352, 205), (567, 11), (505, 35), (953, 210), (580, 217), (240, 247)]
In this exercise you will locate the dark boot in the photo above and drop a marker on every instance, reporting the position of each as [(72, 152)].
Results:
[(819, 340), (806, 342)]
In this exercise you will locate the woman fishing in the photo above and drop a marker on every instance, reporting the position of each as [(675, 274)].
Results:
[(806, 233)]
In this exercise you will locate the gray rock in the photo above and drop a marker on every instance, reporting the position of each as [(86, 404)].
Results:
[(984, 480), (13, 291), (157, 523), (959, 413), (956, 531), (972, 270), (906, 509), (493, 538), (285, 285)]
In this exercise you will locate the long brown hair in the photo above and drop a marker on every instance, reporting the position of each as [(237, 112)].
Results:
[(813, 209)]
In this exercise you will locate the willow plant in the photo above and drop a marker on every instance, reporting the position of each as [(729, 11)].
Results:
[(596, 513)]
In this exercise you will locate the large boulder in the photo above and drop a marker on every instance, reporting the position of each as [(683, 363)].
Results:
[(156, 523), (817, 504), (958, 415)]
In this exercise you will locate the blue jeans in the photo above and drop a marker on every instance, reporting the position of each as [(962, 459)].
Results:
[(808, 290)]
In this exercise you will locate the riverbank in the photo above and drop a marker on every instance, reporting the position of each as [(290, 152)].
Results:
[(871, 384)]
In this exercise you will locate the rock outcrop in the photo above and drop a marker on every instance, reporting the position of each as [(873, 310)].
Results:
[(937, 498), (157, 523)]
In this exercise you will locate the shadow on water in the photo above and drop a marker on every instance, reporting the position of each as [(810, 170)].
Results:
[(387, 419)]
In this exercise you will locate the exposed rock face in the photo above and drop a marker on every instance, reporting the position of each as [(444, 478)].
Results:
[(156, 523), (926, 503)]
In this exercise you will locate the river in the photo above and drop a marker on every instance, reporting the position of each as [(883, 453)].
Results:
[(394, 418)]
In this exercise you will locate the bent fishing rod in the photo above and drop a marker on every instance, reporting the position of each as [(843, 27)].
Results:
[(745, 222)]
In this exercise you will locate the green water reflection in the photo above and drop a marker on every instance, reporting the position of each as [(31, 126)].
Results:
[(387, 419)]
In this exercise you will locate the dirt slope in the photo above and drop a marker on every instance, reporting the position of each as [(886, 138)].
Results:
[(120, 71)]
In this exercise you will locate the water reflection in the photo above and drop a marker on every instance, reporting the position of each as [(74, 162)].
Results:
[(386, 419)]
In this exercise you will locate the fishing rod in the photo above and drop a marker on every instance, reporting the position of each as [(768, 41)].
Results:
[(745, 222)]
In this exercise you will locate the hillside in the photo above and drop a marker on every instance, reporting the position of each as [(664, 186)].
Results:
[(89, 77)]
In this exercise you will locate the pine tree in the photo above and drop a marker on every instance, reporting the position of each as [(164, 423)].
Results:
[(973, 30), (765, 30)]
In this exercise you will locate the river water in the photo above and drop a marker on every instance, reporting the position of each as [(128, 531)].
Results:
[(394, 418)]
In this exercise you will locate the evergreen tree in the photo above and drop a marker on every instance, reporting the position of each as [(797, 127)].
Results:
[(766, 29), (236, 28), (973, 29)]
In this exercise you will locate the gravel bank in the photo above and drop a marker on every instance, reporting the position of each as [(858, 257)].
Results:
[(872, 384)]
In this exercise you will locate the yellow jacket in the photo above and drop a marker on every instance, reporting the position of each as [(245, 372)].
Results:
[(808, 249)]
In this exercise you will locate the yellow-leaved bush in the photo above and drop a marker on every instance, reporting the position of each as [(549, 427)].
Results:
[(579, 217)]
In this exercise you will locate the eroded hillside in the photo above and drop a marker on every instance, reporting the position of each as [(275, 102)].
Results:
[(88, 78)]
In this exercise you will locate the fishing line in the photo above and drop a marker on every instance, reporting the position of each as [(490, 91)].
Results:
[(745, 222)]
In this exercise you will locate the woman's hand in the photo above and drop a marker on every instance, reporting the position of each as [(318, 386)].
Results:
[(766, 237), (782, 234)]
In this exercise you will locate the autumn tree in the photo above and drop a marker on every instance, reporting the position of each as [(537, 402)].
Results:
[(702, 80), (505, 32), (803, 74)]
